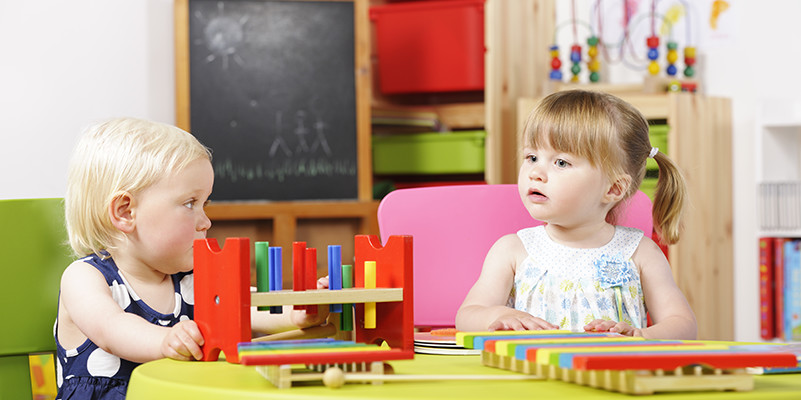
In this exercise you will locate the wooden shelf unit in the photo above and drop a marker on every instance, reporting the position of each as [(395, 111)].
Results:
[(517, 35), (699, 141)]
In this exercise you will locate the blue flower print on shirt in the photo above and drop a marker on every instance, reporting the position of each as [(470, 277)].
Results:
[(612, 271), (604, 303)]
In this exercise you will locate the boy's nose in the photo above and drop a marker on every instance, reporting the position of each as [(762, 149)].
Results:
[(204, 223)]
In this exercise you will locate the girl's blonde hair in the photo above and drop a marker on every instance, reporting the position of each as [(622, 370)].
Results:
[(613, 136), (118, 156)]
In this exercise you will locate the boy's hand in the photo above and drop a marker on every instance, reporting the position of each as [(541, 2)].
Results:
[(519, 321), (322, 283), (303, 320), (183, 341), (602, 325)]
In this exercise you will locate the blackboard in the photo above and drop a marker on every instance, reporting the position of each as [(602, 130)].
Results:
[(272, 91)]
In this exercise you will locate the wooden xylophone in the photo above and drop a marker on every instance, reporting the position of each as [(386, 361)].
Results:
[(627, 364)]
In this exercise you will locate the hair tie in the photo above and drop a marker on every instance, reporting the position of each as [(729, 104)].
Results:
[(653, 152)]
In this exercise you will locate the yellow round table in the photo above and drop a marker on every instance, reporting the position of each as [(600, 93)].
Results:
[(170, 379)]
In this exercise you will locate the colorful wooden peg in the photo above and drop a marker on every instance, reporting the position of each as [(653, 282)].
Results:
[(369, 283), (310, 260), (346, 318), (276, 275), (262, 270), (335, 273), (298, 269)]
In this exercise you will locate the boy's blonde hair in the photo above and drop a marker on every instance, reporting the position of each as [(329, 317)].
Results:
[(113, 157), (613, 136)]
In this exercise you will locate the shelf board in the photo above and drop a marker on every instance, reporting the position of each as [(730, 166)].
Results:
[(782, 124), (232, 211)]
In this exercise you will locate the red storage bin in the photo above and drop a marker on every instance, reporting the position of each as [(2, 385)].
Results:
[(431, 46)]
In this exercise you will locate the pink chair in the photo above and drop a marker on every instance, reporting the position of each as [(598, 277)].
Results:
[(453, 228)]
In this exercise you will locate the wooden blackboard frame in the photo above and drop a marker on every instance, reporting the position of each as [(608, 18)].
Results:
[(361, 79)]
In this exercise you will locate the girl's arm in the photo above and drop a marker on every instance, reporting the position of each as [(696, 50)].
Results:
[(484, 307), (672, 316), (92, 312)]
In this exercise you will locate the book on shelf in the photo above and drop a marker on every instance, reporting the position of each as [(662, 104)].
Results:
[(778, 284), (780, 288), (792, 290), (779, 205), (766, 296)]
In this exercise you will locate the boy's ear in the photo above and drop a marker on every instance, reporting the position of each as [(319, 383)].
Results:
[(120, 210), (618, 189)]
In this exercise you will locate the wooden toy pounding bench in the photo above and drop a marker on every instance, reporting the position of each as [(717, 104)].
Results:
[(223, 301)]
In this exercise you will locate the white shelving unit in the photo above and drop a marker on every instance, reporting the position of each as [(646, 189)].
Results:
[(779, 168)]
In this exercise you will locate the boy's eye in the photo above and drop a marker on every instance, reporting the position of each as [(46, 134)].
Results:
[(190, 204), (562, 163)]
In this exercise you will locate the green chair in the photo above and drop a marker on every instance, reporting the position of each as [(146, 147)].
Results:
[(33, 254)]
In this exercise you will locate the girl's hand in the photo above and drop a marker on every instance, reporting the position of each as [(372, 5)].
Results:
[(183, 341), (516, 320), (602, 325)]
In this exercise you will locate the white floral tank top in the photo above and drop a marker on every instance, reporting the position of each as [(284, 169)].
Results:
[(571, 287)]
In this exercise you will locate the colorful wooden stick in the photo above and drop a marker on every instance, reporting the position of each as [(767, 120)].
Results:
[(335, 273), (276, 278), (310, 259), (298, 269), (369, 283), (262, 270), (346, 318)]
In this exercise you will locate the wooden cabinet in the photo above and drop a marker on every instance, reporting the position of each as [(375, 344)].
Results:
[(699, 141), (517, 35)]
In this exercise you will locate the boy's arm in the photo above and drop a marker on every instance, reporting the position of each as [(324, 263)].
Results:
[(672, 316), (91, 309), (262, 322), (484, 307)]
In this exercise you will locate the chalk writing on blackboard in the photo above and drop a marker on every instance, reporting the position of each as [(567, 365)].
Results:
[(273, 95), (222, 35)]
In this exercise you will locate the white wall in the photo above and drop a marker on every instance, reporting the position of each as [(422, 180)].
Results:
[(68, 63), (763, 65)]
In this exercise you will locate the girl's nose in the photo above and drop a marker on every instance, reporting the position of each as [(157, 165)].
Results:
[(536, 173)]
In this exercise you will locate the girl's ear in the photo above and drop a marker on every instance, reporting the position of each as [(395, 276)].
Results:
[(120, 210), (617, 190)]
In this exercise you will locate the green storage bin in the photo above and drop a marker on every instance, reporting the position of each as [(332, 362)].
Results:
[(659, 138), (459, 152)]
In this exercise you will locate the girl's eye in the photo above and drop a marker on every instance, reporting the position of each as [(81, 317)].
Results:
[(562, 163), (531, 158)]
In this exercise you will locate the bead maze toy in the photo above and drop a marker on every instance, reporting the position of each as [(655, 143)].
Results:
[(628, 364), (603, 39), (381, 299)]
